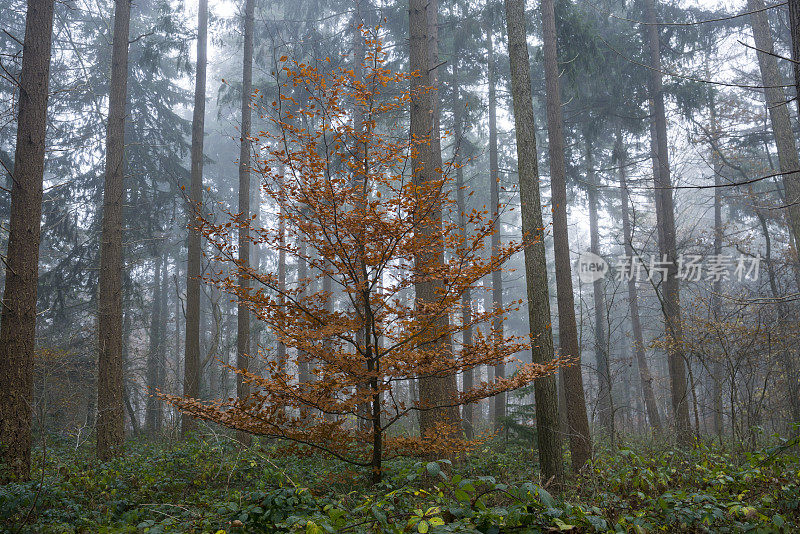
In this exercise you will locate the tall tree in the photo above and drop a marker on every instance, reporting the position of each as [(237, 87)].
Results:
[(243, 313), (645, 377), (152, 419), (716, 298), (788, 160), (468, 411), (665, 216), (494, 209), (18, 323), (577, 420), (604, 400), (110, 422), (435, 391), (545, 393), (191, 366)]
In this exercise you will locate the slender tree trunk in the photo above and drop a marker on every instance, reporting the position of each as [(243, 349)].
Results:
[(548, 437), (18, 330), (665, 214), (191, 368), (281, 348), (436, 391), (243, 312), (303, 364), (110, 423), (785, 356), (500, 400), (161, 355), (577, 420), (716, 300), (788, 160), (604, 399), (152, 409), (487, 305), (645, 377), (468, 414)]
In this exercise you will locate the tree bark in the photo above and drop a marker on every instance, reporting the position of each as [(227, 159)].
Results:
[(789, 368), (645, 377), (500, 399), (716, 300), (794, 27), (110, 422), (191, 369), (788, 159), (243, 312), (577, 421), (152, 419), (604, 398), (468, 410), (665, 215), (18, 330), (548, 437), (435, 391)]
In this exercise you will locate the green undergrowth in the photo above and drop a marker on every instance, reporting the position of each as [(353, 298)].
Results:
[(211, 486)]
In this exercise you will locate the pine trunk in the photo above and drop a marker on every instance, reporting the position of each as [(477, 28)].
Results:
[(191, 369), (645, 377), (110, 422), (243, 312), (468, 410), (788, 159), (577, 421), (548, 436), (665, 215), (500, 400), (152, 418), (436, 392), (604, 399), (18, 330)]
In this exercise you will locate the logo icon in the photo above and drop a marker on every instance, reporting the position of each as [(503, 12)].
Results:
[(591, 267)]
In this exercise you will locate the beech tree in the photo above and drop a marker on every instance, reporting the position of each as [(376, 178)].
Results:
[(347, 191)]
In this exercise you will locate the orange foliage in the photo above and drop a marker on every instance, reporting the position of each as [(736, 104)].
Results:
[(345, 190)]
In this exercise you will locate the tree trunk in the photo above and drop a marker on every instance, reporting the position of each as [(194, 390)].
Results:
[(645, 377), (303, 365), (281, 348), (604, 398), (18, 330), (785, 355), (191, 369), (794, 27), (548, 437), (716, 301), (110, 423), (788, 160), (665, 215), (468, 411), (436, 391), (243, 312), (577, 421), (152, 419), (500, 400)]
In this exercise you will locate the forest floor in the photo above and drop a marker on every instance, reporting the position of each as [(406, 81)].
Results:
[(212, 486)]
